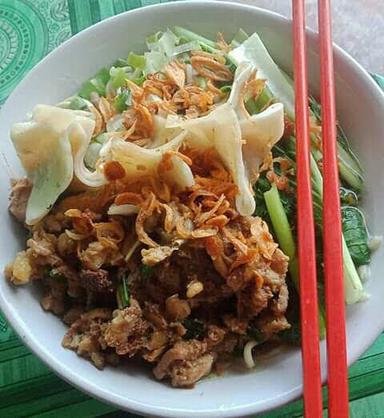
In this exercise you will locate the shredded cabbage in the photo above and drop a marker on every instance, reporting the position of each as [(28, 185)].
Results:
[(253, 50), (163, 47), (189, 46), (136, 61)]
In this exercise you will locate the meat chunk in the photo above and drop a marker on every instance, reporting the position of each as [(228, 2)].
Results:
[(73, 314), (96, 281), (181, 351), (20, 271), (128, 332), (252, 300), (271, 324), (42, 248), (280, 304), (187, 373), (153, 256), (236, 325), (185, 363), (53, 304), (18, 198), (85, 336), (177, 309)]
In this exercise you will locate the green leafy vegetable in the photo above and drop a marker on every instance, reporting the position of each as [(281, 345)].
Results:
[(136, 61), (181, 49), (355, 234), (348, 197), (146, 272), (165, 43), (161, 50), (118, 76), (97, 84), (189, 36), (255, 333), (153, 39), (156, 61), (92, 154), (262, 185), (195, 329), (349, 165), (253, 50), (93, 151), (226, 89), (123, 100), (75, 103), (280, 88), (137, 78), (122, 293), (255, 106), (52, 273), (201, 82), (120, 63), (292, 335), (280, 222), (286, 240)]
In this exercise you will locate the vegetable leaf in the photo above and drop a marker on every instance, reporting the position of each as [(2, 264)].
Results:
[(76, 103), (292, 335), (122, 293), (96, 84), (136, 61), (254, 51), (262, 185), (122, 100), (52, 273), (118, 77), (355, 234), (146, 272), (255, 333), (348, 197), (195, 329)]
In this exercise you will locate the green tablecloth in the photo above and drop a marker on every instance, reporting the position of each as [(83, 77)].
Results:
[(29, 29)]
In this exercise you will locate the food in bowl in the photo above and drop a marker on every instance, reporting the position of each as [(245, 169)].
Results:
[(160, 203)]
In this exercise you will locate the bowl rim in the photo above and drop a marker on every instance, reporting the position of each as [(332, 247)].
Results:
[(87, 386)]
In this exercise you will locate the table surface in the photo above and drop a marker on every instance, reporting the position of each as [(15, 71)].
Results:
[(358, 26), (29, 29)]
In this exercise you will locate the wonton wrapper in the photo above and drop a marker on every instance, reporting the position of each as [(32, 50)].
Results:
[(47, 146), (260, 131), (221, 130), (138, 161), (242, 141)]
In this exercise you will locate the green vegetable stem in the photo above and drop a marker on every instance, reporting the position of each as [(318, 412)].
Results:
[(122, 293), (286, 241)]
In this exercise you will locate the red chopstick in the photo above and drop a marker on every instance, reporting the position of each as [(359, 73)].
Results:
[(332, 242), (305, 224)]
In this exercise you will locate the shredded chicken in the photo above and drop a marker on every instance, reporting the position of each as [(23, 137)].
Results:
[(18, 198), (127, 332), (187, 373), (181, 351), (96, 281)]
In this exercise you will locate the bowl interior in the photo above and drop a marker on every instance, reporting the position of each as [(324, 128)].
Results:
[(277, 377)]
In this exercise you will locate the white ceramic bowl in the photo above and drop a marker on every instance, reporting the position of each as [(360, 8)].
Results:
[(277, 377)]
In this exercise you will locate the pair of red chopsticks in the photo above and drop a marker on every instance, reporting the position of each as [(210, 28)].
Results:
[(333, 259)]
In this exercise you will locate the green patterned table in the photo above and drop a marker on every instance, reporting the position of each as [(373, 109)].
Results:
[(29, 29)]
